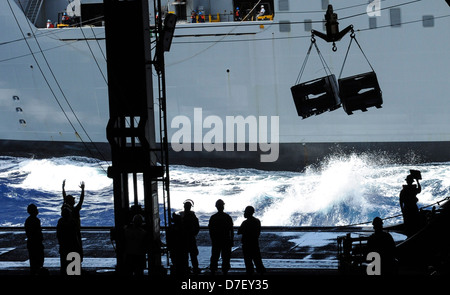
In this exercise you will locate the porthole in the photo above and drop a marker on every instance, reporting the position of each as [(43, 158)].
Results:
[(22, 122), (16, 98), (428, 21)]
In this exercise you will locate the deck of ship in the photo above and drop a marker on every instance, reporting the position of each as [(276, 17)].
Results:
[(294, 258), (282, 249)]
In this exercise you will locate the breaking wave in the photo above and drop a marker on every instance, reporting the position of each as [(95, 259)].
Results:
[(343, 190)]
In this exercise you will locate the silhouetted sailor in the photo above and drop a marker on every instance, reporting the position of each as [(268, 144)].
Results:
[(221, 232), (250, 230), (408, 204), (382, 243), (67, 234), (178, 253), (34, 240), (136, 243), (190, 229), (69, 201)]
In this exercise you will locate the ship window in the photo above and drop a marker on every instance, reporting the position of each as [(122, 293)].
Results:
[(248, 7), (22, 122), (325, 4), (372, 22), (428, 21), (285, 26), (16, 98), (283, 5), (396, 19), (19, 109), (308, 25)]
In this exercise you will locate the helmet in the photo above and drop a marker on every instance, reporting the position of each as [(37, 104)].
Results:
[(377, 221), (189, 201), (250, 210)]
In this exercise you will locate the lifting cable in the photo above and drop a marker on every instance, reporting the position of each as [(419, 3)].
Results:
[(322, 60), (353, 37), (53, 92), (398, 215)]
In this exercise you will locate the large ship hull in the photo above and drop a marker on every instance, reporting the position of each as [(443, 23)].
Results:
[(228, 87)]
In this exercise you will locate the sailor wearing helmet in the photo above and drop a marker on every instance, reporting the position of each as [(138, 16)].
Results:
[(408, 204), (262, 11), (190, 228)]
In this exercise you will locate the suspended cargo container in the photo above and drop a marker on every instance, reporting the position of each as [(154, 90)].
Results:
[(316, 96), (360, 92)]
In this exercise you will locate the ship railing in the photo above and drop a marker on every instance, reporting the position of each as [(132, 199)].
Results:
[(352, 252)]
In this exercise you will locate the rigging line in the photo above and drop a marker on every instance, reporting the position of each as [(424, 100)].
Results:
[(384, 8), (364, 54), (63, 94), (246, 24), (345, 59), (215, 43), (28, 54), (48, 83), (93, 56), (90, 49), (302, 69), (98, 43), (253, 23), (302, 36), (45, 32), (398, 215), (256, 23), (402, 23), (323, 10), (226, 41), (322, 60)]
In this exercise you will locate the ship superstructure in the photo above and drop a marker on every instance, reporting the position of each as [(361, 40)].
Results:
[(228, 80)]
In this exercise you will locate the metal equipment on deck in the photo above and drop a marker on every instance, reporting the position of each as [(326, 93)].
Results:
[(139, 163)]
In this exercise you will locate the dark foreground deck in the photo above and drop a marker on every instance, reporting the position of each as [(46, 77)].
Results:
[(293, 257), (283, 250)]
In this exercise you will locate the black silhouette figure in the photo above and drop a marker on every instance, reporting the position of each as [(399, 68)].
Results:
[(177, 249), (190, 228), (136, 244), (250, 230), (221, 232), (383, 243), (69, 201), (35, 247), (408, 204), (68, 239)]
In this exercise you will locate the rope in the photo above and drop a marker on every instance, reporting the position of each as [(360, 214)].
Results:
[(364, 54), (302, 69), (321, 58), (398, 215), (345, 59), (352, 35), (59, 87)]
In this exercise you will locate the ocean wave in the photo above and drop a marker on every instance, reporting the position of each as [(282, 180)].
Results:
[(342, 190)]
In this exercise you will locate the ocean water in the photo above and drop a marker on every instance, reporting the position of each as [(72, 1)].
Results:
[(342, 190)]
